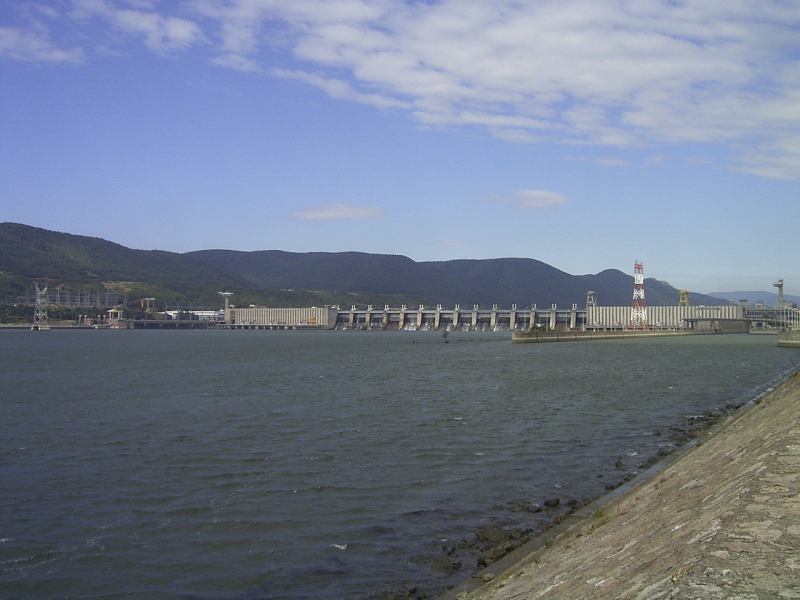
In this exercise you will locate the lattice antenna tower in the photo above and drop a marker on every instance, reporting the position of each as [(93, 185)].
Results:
[(591, 299), (40, 311), (684, 301), (639, 308)]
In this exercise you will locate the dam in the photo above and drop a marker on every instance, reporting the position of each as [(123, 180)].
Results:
[(475, 318)]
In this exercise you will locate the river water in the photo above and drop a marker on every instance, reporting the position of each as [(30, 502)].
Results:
[(320, 465)]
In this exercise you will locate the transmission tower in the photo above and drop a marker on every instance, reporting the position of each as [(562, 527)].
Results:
[(591, 299), (639, 309), (40, 312), (684, 301)]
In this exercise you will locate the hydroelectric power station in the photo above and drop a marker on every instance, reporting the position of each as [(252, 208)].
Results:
[(530, 323), (527, 324)]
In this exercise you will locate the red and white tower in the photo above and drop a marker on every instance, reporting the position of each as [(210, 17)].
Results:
[(639, 309)]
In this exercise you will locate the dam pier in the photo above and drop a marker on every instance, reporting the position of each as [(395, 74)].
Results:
[(531, 324), (513, 319)]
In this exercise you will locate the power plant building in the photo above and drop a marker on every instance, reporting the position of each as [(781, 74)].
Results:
[(666, 317), (475, 319), (262, 317)]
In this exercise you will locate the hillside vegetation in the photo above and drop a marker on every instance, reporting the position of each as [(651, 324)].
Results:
[(277, 278)]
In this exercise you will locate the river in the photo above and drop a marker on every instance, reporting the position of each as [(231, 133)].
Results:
[(322, 465)]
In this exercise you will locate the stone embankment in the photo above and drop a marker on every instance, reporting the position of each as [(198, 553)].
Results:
[(721, 521)]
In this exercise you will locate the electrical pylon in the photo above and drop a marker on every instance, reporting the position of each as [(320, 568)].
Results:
[(639, 308), (40, 312)]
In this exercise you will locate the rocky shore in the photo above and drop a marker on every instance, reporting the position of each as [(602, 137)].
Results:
[(504, 540), (722, 520)]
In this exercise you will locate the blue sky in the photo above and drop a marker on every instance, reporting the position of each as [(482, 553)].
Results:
[(587, 134)]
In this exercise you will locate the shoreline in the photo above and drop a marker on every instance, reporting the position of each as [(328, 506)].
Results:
[(498, 545), (571, 560)]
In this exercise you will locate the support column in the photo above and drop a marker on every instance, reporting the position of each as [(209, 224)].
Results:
[(402, 320), (512, 317), (493, 318), (474, 317), (553, 309)]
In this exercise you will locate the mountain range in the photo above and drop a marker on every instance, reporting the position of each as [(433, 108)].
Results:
[(278, 278)]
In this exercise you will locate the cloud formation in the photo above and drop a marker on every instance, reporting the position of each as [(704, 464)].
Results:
[(338, 211), (34, 46), (618, 73), (530, 199), (161, 33)]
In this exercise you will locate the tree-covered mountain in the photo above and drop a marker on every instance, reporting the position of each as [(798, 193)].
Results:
[(501, 281), (31, 254), (274, 277)]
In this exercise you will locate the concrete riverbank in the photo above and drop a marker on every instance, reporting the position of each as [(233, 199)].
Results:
[(722, 520), (535, 337), (789, 339)]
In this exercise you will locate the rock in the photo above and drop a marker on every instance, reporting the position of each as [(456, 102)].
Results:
[(524, 505), (445, 565), (552, 502), (492, 534), (494, 554)]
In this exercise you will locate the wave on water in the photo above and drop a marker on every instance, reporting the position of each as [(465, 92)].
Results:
[(326, 464)]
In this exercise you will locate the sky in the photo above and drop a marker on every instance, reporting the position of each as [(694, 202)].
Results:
[(588, 134)]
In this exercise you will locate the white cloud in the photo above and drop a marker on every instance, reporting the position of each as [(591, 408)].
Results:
[(603, 161), (612, 162), (616, 73), (530, 199), (338, 211), (32, 45), (237, 61), (161, 33), (337, 88)]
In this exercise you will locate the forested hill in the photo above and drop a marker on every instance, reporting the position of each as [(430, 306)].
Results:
[(274, 277), (501, 281), (30, 254)]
